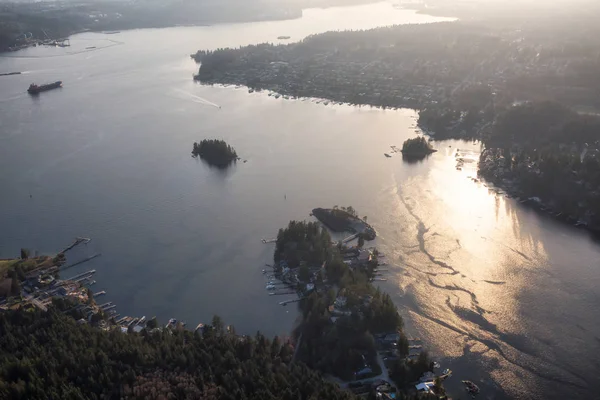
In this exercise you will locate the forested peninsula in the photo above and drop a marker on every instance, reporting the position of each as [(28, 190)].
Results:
[(348, 326), (457, 74), (548, 156)]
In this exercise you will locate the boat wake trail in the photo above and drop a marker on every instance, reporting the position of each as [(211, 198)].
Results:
[(19, 96), (196, 99)]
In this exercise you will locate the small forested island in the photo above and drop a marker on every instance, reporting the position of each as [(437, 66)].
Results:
[(349, 329), (215, 152), (344, 219), (417, 147), (548, 156)]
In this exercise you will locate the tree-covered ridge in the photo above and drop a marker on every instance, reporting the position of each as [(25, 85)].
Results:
[(427, 66), (417, 147), (48, 355), (549, 153), (216, 152)]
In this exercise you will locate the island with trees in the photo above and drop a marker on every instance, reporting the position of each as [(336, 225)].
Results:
[(344, 219), (215, 152), (349, 329), (418, 147)]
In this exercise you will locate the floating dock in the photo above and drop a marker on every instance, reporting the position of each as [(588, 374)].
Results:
[(77, 241), (81, 262), (83, 274)]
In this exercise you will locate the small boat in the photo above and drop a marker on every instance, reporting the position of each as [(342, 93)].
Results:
[(387, 155), (472, 388), (90, 47), (172, 323), (35, 89)]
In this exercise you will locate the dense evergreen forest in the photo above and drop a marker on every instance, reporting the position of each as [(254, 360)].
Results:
[(49, 356), (548, 152)]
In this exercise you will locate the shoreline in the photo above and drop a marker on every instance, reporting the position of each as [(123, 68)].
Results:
[(536, 204), (108, 28)]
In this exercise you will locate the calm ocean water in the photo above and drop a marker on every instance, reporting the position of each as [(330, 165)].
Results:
[(503, 296)]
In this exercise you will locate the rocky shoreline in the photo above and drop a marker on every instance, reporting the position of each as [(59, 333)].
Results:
[(513, 187), (340, 220)]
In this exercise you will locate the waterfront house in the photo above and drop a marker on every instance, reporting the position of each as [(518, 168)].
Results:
[(425, 387), (340, 302), (364, 256), (392, 338)]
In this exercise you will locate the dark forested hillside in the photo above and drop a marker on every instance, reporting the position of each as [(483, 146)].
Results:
[(50, 356), (548, 155)]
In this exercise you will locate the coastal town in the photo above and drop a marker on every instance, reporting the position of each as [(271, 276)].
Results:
[(386, 364), (409, 66), (39, 282)]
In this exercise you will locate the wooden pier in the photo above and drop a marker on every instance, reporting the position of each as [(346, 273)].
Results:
[(350, 238), (81, 262), (83, 274), (77, 242), (286, 302)]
